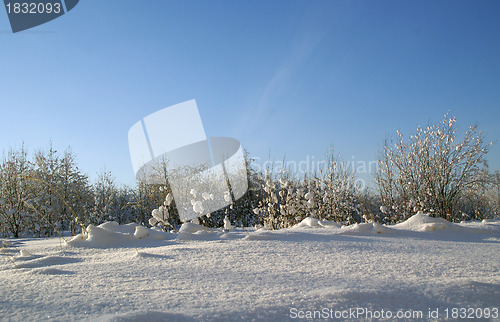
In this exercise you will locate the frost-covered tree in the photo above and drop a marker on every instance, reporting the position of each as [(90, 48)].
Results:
[(240, 213), (281, 201), (105, 193), (14, 192), (111, 202), (493, 194), (62, 191), (338, 195), (46, 176), (74, 192), (201, 194), (430, 171), (42, 195), (329, 194), (482, 200)]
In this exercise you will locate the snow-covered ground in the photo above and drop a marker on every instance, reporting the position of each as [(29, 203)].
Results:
[(424, 267)]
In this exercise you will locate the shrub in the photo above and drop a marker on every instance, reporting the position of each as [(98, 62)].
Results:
[(328, 195), (431, 171)]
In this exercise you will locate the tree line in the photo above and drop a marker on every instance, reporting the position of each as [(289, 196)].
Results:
[(434, 170)]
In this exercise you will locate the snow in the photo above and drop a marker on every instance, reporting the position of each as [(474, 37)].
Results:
[(313, 222), (206, 274), (365, 228), (141, 232), (191, 228), (422, 222), (24, 253), (227, 224)]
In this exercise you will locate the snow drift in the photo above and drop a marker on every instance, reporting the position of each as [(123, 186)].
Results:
[(204, 274)]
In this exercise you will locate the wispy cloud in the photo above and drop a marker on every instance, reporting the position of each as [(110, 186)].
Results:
[(306, 40)]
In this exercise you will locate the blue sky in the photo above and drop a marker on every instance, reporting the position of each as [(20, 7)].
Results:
[(284, 77)]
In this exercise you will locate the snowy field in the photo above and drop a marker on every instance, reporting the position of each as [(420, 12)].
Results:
[(420, 269)]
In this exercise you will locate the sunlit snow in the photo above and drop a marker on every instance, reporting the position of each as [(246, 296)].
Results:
[(199, 273)]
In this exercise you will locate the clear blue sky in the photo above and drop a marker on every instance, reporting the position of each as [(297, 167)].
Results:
[(285, 77)]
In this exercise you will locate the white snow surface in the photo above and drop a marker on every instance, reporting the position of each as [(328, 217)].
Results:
[(201, 274)]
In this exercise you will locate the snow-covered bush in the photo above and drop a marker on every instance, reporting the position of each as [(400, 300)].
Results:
[(431, 171), (327, 195), (482, 200), (239, 213), (339, 197), (282, 202)]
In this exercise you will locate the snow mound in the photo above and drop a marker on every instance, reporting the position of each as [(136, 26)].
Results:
[(109, 225), (111, 234), (191, 231), (141, 232), (423, 222), (202, 235), (227, 224), (117, 228), (261, 234), (152, 234), (190, 227), (99, 237), (365, 228), (313, 222)]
